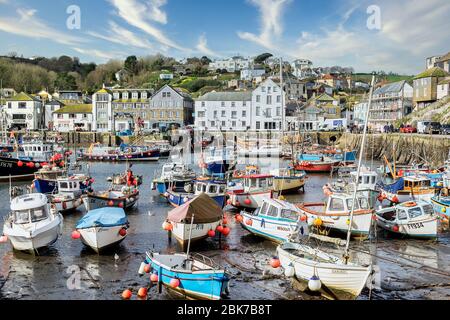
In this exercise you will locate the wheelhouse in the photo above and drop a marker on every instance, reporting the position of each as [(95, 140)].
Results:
[(209, 187), (343, 204), (279, 210), (407, 211), (258, 182)]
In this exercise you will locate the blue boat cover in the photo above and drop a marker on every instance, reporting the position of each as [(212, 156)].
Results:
[(103, 217), (394, 187)]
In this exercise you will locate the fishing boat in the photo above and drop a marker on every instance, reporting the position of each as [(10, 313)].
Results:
[(334, 214), (117, 196), (213, 188), (207, 216), (69, 194), (251, 191), (191, 275), (45, 179), (28, 158), (96, 152), (333, 272), (415, 219), (219, 161), (275, 220), (288, 180), (32, 223), (174, 176), (313, 166), (103, 228), (409, 188)]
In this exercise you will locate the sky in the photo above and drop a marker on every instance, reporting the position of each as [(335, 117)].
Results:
[(369, 35)]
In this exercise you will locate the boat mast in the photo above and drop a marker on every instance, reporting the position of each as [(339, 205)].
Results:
[(190, 236), (282, 102), (358, 173)]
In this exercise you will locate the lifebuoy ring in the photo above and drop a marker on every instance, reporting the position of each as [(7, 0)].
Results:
[(410, 204)]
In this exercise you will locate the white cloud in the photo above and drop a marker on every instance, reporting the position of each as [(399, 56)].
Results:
[(122, 36), (142, 15), (99, 54), (26, 24), (202, 47), (271, 16)]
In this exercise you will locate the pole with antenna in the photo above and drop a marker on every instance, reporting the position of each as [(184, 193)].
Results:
[(358, 173)]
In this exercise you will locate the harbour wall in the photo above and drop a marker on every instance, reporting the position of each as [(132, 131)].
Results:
[(404, 148)]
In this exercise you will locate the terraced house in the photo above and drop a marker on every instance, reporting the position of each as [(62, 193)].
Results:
[(23, 111), (425, 86), (73, 118)]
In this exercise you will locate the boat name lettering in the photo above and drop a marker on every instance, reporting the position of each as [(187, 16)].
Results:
[(6, 164), (338, 271), (415, 225)]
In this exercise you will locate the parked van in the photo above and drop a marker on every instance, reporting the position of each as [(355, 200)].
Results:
[(421, 125)]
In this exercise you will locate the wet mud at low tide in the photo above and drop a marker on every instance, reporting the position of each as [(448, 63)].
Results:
[(406, 269)]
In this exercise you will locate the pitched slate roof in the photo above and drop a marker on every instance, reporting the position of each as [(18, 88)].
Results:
[(433, 72), (325, 97), (444, 58), (80, 108), (227, 96), (391, 87), (22, 97)]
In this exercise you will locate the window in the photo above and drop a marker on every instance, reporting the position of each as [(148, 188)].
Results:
[(203, 104), (401, 215), (223, 103), (258, 125), (244, 113), (22, 105), (233, 104), (213, 188), (60, 116), (38, 214), (336, 204), (263, 89), (273, 211), (244, 103), (278, 111), (264, 208), (258, 111), (9, 105), (233, 123), (244, 123), (135, 95), (415, 212), (258, 98), (72, 116), (289, 214), (268, 113), (278, 99), (201, 114), (269, 99), (224, 113), (215, 113), (233, 114), (223, 123)]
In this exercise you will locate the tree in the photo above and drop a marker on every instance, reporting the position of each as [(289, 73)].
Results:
[(131, 64), (205, 60), (65, 81), (263, 57)]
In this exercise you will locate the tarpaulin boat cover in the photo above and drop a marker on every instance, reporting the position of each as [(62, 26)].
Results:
[(394, 187), (103, 217), (204, 209)]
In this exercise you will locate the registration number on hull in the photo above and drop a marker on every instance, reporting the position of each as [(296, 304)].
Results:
[(418, 225)]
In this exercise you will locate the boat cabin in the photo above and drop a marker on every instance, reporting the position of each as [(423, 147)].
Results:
[(171, 169), (29, 208), (342, 203), (406, 211), (279, 209), (49, 173), (70, 185), (413, 183), (367, 180), (258, 181), (37, 151), (210, 187)]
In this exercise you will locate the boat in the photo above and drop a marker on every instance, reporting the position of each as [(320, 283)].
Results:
[(28, 158), (415, 219), (45, 179), (275, 220), (32, 223), (213, 188), (103, 228), (288, 180), (409, 188), (334, 273), (124, 153), (325, 165), (69, 193), (117, 196), (334, 214), (191, 275), (251, 191), (174, 176), (219, 161), (261, 151), (206, 214), (128, 178)]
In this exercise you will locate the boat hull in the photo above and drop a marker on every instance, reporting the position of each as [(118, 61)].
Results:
[(285, 185), (181, 231), (178, 199), (102, 238), (347, 278), (67, 205), (92, 202), (152, 155), (421, 229), (316, 167), (176, 185), (10, 167), (256, 198)]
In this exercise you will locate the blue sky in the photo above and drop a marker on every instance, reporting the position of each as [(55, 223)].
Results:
[(329, 32)]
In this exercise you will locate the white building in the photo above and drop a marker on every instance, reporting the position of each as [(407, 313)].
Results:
[(73, 118), (443, 88), (249, 74), (23, 111), (224, 111), (302, 68), (231, 65), (49, 108), (267, 110), (359, 112)]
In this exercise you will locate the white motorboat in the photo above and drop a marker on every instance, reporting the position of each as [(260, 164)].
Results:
[(103, 228), (415, 219), (332, 271), (69, 194), (32, 224)]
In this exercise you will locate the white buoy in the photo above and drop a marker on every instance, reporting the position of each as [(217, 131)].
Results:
[(289, 271), (314, 284), (141, 268), (116, 257)]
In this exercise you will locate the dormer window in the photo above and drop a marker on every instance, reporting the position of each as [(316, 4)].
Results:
[(135, 95)]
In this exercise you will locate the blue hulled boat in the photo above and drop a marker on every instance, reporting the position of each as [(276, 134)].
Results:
[(174, 176), (213, 188), (195, 275), (219, 161)]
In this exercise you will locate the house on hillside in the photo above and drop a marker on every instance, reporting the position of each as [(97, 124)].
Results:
[(425, 86), (444, 62), (443, 88), (24, 111), (73, 118)]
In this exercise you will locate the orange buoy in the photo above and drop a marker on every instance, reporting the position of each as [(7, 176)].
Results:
[(249, 222), (174, 283), (275, 262), (123, 232), (147, 268), (248, 201), (224, 220), (219, 229), (110, 203), (154, 277), (167, 226), (142, 293), (396, 228), (126, 294), (226, 231), (76, 235), (121, 205), (318, 222), (239, 218), (395, 199), (20, 163), (211, 233), (303, 218)]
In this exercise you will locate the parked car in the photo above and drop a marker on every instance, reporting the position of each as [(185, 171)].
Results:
[(408, 129), (433, 128), (421, 125), (445, 129)]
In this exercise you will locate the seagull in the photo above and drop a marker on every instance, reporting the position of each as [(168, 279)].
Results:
[(116, 257)]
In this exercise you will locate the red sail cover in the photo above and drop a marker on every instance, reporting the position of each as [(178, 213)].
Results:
[(203, 208)]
